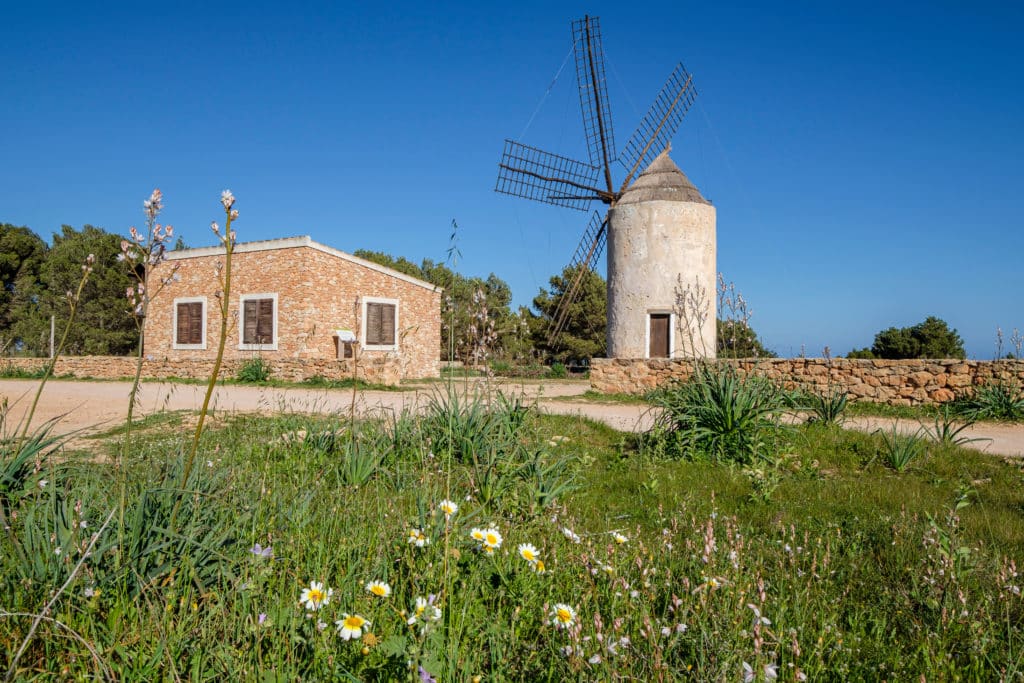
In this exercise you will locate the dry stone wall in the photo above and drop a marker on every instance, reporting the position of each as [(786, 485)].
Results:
[(376, 370), (896, 382)]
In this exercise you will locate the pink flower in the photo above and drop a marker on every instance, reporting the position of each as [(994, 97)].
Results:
[(227, 199)]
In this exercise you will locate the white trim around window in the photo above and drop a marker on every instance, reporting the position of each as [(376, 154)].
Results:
[(174, 323), (362, 324), (242, 346)]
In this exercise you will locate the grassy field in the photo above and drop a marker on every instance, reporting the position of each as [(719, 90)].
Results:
[(575, 553)]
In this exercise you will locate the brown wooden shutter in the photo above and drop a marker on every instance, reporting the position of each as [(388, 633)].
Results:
[(250, 319), (182, 332), (195, 322), (387, 324), (265, 325), (373, 323), (659, 335)]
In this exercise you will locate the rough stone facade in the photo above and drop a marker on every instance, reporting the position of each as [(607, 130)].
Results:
[(377, 370), (896, 382), (316, 290)]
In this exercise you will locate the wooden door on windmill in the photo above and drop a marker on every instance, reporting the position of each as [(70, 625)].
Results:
[(659, 335)]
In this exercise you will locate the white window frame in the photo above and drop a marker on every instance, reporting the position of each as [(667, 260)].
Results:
[(242, 346), (671, 333), (174, 323), (362, 324)]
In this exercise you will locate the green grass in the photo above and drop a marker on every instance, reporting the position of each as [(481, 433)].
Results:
[(924, 413), (859, 568), (591, 396)]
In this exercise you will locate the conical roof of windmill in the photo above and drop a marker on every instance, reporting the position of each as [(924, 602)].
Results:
[(664, 181)]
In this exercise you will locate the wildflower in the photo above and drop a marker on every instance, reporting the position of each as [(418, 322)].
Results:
[(351, 626), (417, 538), (379, 588), (570, 534), (477, 534), (538, 567), (89, 592), (666, 631), (58, 550), (758, 619), (492, 540), (43, 483), (425, 676), (564, 615), (619, 538), (260, 551), (321, 625), (227, 199), (316, 596), (528, 553), (448, 507), (261, 618), (596, 659)]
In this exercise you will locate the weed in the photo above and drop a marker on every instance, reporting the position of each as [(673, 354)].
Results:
[(827, 408), (254, 371), (721, 414), (947, 430), (999, 400), (898, 450)]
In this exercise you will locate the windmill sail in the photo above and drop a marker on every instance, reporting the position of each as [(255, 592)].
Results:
[(532, 173), (660, 123), (587, 253), (594, 102)]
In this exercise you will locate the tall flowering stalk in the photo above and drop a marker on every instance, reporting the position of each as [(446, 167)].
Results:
[(73, 299), (143, 252), (223, 274)]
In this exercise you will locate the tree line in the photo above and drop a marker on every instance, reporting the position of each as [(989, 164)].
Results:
[(478, 323)]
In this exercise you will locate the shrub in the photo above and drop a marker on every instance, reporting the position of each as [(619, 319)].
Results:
[(899, 450), (12, 371), (994, 401), (828, 408), (254, 370), (720, 414), (558, 371)]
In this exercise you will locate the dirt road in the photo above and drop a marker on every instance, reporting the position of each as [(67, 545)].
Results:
[(94, 406)]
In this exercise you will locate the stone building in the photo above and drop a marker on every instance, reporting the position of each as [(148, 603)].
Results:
[(661, 268), (294, 299)]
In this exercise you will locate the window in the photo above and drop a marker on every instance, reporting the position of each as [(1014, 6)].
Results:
[(258, 326), (380, 324), (189, 323)]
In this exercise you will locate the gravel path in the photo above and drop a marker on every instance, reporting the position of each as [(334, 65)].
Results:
[(93, 406)]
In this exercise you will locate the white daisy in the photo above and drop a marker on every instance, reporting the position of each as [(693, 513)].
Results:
[(351, 626), (316, 596)]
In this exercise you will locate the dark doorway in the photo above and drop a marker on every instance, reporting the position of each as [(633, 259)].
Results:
[(659, 335)]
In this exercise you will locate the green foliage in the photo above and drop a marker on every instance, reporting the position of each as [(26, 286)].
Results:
[(929, 339), (558, 371), (864, 353), (828, 407), (720, 414), (104, 321), (999, 400), (819, 544), (22, 254), (948, 428), (584, 336), (736, 339), (12, 371), (458, 307), (254, 370), (898, 451)]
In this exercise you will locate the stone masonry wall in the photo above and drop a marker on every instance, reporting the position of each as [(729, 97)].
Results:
[(378, 370), (896, 382), (317, 293)]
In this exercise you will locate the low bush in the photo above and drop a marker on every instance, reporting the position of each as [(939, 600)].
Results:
[(999, 400), (254, 370)]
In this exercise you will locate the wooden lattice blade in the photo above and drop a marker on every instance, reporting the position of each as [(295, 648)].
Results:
[(532, 173), (660, 123), (584, 259), (594, 103)]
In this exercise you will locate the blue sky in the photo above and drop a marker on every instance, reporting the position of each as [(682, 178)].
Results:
[(864, 158)]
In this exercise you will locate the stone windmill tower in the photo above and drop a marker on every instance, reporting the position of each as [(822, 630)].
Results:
[(659, 230)]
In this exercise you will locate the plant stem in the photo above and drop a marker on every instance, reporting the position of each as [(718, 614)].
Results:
[(225, 305)]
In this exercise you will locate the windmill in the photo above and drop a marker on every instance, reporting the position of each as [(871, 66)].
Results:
[(532, 173)]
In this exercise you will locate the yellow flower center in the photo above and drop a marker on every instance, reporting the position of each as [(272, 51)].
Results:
[(378, 590), (540, 566), (354, 622), (564, 615), (492, 539), (316, 595), (528, 555)]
